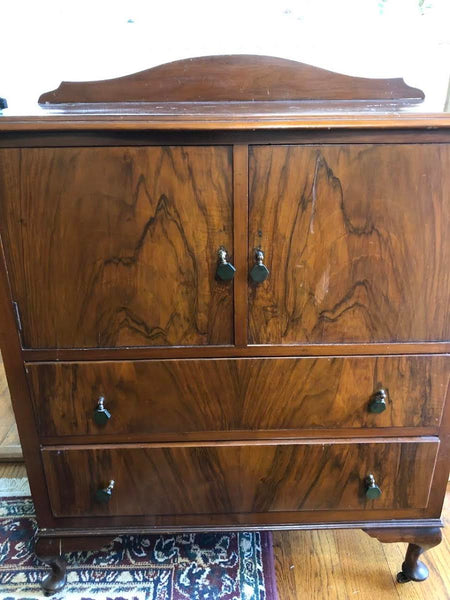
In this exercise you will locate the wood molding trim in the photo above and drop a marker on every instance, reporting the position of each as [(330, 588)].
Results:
[(226, 78), (240, 231), (366, 526)]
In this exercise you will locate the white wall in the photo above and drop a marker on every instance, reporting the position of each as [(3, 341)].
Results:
[(45, 42)]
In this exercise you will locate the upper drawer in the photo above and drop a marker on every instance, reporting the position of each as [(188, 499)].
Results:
[(113, 247), (175, 397), (356, 238)]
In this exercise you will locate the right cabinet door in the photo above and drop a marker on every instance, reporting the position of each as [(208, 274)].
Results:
[(356, 239)]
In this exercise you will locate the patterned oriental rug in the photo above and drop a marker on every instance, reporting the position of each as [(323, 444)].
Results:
[(189, 566)]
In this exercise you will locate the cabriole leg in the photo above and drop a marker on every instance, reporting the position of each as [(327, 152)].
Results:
[(56, 579), (419, 540), (49, 550), (413, 569)]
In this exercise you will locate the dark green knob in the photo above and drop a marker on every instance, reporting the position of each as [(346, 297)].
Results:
[(260, 272), (225, 270), (104, 495), (372, 490), (101, 414), (377, 402)]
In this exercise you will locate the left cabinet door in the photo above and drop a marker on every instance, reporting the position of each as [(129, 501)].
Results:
[(118, 246)]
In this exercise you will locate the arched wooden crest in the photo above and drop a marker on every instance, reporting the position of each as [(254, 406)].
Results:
[(240, 78)]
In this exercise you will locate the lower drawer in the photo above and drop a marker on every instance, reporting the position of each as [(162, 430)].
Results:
[(185, 479), (174, 397)]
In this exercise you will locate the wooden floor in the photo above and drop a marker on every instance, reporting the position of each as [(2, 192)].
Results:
[(348, 564), (343, 564), (311, 565), (9, 439)]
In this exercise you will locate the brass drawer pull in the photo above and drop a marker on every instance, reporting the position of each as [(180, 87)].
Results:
[(377, 402), (225, 270), (259, 272), (104, 495), (372, 490), (101, 414)]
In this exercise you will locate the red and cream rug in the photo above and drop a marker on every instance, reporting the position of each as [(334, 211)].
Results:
[(189, 566)]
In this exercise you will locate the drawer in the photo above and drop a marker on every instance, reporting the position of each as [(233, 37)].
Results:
[(175, 397), (230, 478)]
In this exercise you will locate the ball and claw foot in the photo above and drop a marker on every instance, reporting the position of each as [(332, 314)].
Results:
[(56, 579)]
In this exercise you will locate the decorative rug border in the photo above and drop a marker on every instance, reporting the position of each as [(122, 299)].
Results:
[(95, 579), (14, 486)]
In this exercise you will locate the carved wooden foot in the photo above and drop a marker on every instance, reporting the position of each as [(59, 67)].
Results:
[(419, 540), (413, 569), (50, 551), (56, 579)]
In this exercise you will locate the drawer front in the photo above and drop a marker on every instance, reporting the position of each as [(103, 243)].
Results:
[(184, 479), (180, 396), (111, 247), (356, 241)]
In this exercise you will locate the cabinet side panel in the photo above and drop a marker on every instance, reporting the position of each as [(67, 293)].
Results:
[(10, 341)]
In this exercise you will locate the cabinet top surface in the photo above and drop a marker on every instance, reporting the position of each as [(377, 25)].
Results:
[(241, 92)]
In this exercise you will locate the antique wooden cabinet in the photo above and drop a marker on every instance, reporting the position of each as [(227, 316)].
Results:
[(225, 304)]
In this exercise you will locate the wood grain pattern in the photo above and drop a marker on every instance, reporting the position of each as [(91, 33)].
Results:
[(261, 350), (216, 119), (13, 470), (354, 237), (181, 137), (183, 396), (239, 77), (118, 246), (239, 478), (10, 449), (332, 565), (338, 565), (23, 406), (240, 236)]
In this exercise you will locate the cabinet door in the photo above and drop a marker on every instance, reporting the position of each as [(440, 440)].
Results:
[(113, 247), (356, 241)]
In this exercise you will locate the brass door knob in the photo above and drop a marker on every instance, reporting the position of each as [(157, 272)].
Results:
[(101, 414), (372, 490), (225, 270), (259, 272), (377, 403), (104, 495)]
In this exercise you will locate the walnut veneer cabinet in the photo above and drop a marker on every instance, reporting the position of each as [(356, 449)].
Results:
[(225, 304)]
